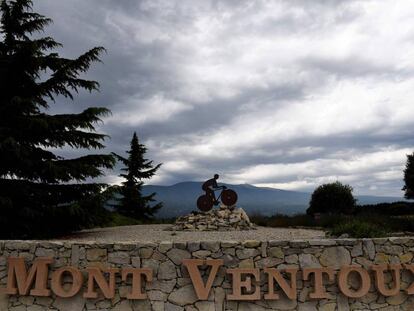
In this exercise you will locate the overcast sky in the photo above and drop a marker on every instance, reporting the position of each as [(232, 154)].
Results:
[(287, 94)]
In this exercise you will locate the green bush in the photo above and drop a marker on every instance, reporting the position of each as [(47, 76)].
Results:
[(333, 198), (358, 228)]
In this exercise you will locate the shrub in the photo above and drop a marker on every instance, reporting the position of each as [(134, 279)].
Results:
[(333, 198), (358, 228), (393, 209), (283, 221)]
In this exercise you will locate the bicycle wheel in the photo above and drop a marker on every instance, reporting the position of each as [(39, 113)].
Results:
[(228, 197), (204, 203)]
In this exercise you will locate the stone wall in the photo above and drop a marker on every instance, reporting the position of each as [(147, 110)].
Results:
[(172, 289)]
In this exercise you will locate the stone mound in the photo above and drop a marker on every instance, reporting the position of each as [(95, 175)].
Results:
[(218, 219)]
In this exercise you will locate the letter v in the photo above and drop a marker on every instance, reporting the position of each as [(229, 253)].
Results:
[(192, 265)]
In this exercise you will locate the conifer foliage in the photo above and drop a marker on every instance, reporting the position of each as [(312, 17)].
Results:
[(42, 193), (409, 177), (132, 203)]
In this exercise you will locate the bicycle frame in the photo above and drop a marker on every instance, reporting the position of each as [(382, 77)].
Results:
[(221, 188)]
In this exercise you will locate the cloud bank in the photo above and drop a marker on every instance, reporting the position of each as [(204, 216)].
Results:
[(287, 94)]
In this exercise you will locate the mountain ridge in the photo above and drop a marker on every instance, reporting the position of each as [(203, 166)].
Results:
[(180, 198)]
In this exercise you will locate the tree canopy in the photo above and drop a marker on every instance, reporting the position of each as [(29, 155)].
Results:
[(409, 177), (332, 198), (42, 192), (137, 168)]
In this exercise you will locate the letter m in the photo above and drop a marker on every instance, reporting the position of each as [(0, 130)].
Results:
[(19, 280)]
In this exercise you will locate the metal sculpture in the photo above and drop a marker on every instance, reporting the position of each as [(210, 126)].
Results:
[(208, 200)]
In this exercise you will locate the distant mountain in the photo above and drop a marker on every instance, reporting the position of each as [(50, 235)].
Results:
[(180, 199)]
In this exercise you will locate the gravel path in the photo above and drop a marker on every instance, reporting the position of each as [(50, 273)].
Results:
[(157, 233)]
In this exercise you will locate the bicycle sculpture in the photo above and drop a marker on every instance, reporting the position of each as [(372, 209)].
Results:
[(207, 201)]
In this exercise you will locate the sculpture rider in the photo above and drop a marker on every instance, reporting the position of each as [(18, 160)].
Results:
[(210, 186)]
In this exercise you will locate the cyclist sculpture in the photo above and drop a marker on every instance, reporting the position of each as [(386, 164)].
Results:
[(206, 202)]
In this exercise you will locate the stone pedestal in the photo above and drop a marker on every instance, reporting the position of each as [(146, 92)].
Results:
[(218, 219)]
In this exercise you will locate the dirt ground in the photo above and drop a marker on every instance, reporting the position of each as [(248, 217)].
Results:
[(157, 233)]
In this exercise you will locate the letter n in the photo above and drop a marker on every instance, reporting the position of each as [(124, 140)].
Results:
[(289, 290), (107, 287), (19, 280)]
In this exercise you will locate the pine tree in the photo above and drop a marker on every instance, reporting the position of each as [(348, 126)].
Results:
[(132, 203), (409, 177), (42, 193)]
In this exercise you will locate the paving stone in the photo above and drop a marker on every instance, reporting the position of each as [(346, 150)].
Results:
[(177, 255), (308, 261), (205, 306), (123, 306), (276, 252), (141, 305), (96, 254), (145, 252), (251, 243), (121, 258), (247, 306), (167, 271), (73, 304), (335, 257), (165, 246), (210, 246), (183, 296), (369, 248), (283, 303), (171, 307), (247, 253)]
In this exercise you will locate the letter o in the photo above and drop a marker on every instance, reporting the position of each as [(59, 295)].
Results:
[(56, 284), (343, 281)]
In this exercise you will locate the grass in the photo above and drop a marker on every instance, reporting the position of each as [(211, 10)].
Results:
[(117, 220), (121, 220)]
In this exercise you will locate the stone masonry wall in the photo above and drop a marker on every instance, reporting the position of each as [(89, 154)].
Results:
[(172, 289)]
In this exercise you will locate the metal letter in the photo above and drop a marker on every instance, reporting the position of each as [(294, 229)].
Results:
[(17, 274), (380, 282), (107, 288), (274, 274), (56, 284), (202, 291), (343, 281), (319, 292), (238, 284), (136, 292)]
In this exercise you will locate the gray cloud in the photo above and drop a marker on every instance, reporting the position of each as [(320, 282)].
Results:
[(282, 93), (355, 66)]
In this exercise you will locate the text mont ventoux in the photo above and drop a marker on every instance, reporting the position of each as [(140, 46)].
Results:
[(34, 281)]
